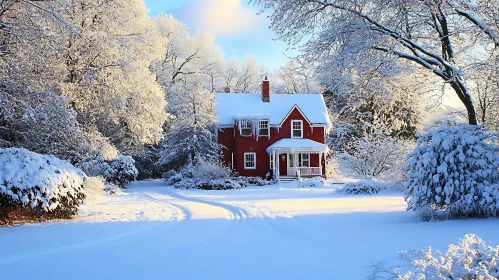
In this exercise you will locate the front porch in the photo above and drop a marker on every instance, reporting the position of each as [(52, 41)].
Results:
[(293, 159)]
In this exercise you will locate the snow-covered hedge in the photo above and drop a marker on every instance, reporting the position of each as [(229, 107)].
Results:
[(42, 185), (120, 170), (455, 170), (363, 187), (316, 182), (254, 181), (206, 176), (217, 184), (470, 259)]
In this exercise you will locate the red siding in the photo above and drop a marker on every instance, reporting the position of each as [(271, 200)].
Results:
[(234, 143)]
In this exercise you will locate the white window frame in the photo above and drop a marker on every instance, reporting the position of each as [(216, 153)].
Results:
[(245, 124), (307, 160), (260, 128), (245, 161), (293, 129)]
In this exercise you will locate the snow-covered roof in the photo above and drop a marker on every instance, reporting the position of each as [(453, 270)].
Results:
[(230, 106), (298, 144)]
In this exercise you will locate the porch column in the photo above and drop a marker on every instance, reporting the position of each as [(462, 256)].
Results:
[(274, 161), (277, 164), (295, 161), (320, 163)]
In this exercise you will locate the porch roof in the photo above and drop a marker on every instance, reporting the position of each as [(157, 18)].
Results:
[(298, 145)]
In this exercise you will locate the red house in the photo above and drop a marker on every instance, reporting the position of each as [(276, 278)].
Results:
[(280, 134)]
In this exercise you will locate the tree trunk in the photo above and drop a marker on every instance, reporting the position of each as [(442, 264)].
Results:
[(465, 97)]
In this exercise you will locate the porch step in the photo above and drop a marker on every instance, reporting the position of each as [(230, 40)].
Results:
[(287, 178)]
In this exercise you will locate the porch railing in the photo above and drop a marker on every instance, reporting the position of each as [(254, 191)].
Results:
[(309, 171)]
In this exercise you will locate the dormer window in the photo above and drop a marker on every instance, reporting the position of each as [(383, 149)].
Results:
[(264, 128), (245, 128), (296, 129)]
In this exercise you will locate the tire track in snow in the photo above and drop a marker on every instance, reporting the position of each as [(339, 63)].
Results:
[(235, 213), (182, 212), (240, 213)]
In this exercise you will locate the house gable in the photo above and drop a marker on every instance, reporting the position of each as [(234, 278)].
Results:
[(295, 107)]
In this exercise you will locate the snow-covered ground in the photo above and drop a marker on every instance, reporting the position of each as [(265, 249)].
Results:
[(276, 232)]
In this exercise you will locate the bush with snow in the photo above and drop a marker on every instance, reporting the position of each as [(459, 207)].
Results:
[(206, 176), (363, 187), (470, 259), (120, 170), (39, 186), (316, 182), (455, 170), (254, 181)]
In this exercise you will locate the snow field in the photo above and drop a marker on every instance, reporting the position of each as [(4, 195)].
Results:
[(273, 232)]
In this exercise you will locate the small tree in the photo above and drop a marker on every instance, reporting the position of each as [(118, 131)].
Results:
[(191, 136), (454, 169), (374, 156)]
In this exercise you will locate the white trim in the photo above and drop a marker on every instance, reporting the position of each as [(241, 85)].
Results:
[(301, 159), (254, 158), (299, 110), (292, 128), (268, 128)]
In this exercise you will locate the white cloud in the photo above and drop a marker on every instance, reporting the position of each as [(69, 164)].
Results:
[(221, 17)]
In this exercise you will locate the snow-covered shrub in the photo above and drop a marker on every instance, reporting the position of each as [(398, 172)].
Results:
[(207, 170), (94, 167), (455, 170), (363, 187), (206, 176), (34, 186), (470, 259), (203, 184), (94, 187), (172, 180), (374, 156), (254, 181), (121, 171), (316, 182)]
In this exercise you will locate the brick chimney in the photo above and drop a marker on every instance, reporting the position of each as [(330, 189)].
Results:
[(227, 89), (266, 90)]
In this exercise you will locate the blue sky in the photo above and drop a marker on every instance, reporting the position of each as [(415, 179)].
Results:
[(235, 24)]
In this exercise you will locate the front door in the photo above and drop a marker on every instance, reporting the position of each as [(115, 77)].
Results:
[(291, 165), (283, 164)]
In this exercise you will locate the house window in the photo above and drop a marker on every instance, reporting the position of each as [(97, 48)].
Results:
[(304, 160), (245, 128), (296, 129), (249, 160), (264, 128)]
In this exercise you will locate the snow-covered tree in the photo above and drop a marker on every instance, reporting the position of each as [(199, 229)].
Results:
[(182, 54), (454, 170), (373, 104), (40, 122), (294, 78), (106, 70), (439, 36), (191, 138)]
